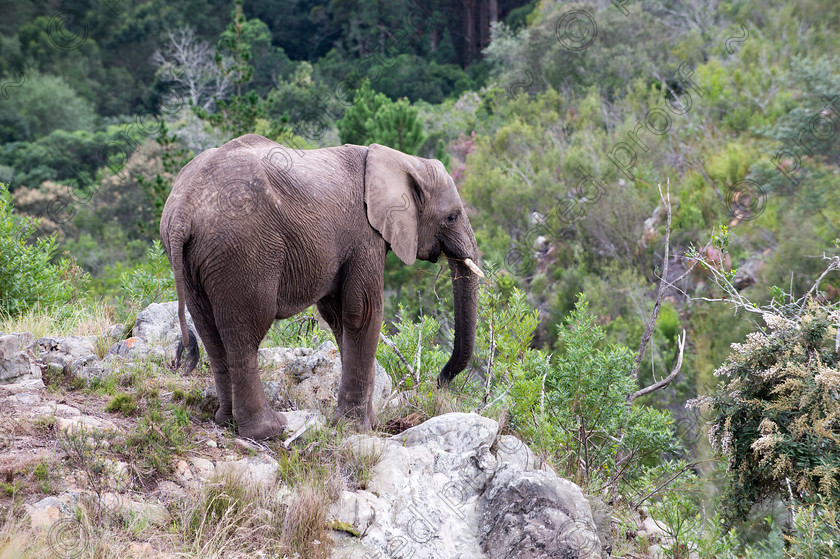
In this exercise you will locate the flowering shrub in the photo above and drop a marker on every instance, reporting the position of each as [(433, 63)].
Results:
[(778, 414)]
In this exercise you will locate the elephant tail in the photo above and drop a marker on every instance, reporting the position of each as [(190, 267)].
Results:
[(187, 337)]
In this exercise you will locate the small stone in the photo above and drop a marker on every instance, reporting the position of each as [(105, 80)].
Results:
[(204, 468), (253, 470), (27, 398), (244, 445), (171, 490), (132, 511), (45, 512), (211, 443), (86, 423), (182, 471)]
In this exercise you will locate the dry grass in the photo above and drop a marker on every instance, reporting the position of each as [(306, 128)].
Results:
[(233, 519), (80, 320)]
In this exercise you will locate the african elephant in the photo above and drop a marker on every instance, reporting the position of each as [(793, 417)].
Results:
[(256, 232)]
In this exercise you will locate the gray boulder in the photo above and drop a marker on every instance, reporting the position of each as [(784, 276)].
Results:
[(534, 514), (88, 367), (451, 487), (315, 379), (134, 349), (158, 324), (61, 353), (16, 363)]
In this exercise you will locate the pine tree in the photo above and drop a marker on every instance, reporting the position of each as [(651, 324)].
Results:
[(353, 128), (397, 125), (374, 118)]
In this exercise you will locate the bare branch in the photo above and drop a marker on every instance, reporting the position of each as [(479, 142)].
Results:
[(390, 344), (667, 380), (666, 199)]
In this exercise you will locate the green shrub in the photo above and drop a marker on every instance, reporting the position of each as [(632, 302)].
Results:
[(122, 403), (150, 282), (28, 277), (574, 407)]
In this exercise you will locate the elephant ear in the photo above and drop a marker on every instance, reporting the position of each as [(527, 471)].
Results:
[(394, 183)]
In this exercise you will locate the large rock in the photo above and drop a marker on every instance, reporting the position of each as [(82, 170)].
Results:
[(135, 349), (252, 471), (451, 487), (16, 363), (158, 324), (62, 353), (316, 377)]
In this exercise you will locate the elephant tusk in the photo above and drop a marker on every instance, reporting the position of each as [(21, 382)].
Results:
[(472, 266)]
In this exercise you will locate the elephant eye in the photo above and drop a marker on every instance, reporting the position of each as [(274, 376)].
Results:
[(452, 218)]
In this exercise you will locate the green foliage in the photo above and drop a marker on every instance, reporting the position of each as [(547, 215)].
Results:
[(71, 157), (43, 103), (506, 326), (239, 114), (150, 282), (301, 330), (816, 532), (125, 404), (575, 407), (413, 340), (28, 277), (374, 118), (153, 442), (173, 158)]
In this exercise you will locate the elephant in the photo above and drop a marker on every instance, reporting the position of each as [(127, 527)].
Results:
[(255, 232)]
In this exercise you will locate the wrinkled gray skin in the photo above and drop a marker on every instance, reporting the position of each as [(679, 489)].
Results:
[(257, 232)]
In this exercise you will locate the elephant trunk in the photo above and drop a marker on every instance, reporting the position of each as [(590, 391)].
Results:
[(465, 289)]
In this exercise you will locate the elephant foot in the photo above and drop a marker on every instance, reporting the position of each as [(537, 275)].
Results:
[(268, 424), (362, 418), (223, 418)]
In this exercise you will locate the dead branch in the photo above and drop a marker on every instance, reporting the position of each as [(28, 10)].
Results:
[(666, 199), (390, 344), (667, 380)]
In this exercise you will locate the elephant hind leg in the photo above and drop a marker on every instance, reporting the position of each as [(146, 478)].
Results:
[(243, 331), (330, 309), (206, 326)]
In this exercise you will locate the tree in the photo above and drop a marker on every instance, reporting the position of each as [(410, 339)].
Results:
[(190, 63), (376, 119), (237, 115)]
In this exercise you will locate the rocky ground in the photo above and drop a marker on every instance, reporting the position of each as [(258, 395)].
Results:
[(107, 452)]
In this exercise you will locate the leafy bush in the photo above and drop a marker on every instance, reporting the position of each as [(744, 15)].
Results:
[(151, 282), (41, 104), (28, 277)]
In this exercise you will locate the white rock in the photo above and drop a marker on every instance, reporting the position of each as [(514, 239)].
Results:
[(275, 357), (438, 485), (85, 423), (316, 378), (16, 364), (133, 349), (253, 470), (27, 398), (45, 512), (28, 385), (136, 511), (204, 468), (158, 324), (64, 352)]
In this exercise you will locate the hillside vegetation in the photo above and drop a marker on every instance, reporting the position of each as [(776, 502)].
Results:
[(652, 185)]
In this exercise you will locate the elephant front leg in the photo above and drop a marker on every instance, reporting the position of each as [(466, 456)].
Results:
[(362, 322)]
